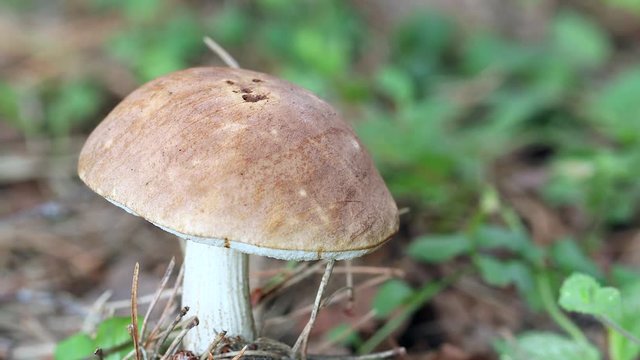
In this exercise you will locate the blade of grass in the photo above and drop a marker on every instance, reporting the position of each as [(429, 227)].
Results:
[(424, 294)]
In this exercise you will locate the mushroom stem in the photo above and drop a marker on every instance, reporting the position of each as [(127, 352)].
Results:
[(216, 288)]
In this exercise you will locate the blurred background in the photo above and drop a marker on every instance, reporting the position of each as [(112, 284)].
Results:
[(507, 130)]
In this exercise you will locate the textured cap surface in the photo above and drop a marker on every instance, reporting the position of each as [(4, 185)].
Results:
[(241, 159)]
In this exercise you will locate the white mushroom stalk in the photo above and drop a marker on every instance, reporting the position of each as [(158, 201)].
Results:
[(216, 288)]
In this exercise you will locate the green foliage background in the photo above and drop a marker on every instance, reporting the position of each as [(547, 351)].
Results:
[(437, 109)]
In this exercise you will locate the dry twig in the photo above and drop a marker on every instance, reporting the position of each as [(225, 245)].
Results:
[(94, 317), (212, 346), (221, 52), (396, 352), (349, 282), (240, 353), (360, 270), (291, 280), (305, 310), (163, 283), (168, 306), (303, 339), (192, 322), (134, 311), (145, 299), (173, 325), (346, 332)]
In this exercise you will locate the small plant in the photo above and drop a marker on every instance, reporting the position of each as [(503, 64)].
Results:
[(615, 309), (546, 346), (111, 337), (505, 255)]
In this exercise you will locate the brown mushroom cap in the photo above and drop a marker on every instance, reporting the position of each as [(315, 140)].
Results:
[(241, 159)]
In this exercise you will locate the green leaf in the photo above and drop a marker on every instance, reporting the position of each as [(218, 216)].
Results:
[(142, 10), (391, 295), (419, 45), (580, 40), (396, 84), (415, 302), (622, 348), (168, 46), (496, 272), (524, 279), (134, 10), (439, 248), (623, 275), (75, 347), (274, 6), (74, 103), (496, 237), (485, 50), (343, 334), (158, 60), (582, 293), (546, 346), (493, 271), (312, 81), (113, 333), (568, 255), (510, 109), (616, 109), (231, 25), (9, 108), (319, 51), (504, 273), (629, 5)]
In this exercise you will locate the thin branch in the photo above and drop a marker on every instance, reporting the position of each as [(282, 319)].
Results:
[(303, 340), (240, 353), (145, 299), (193, 322), (221, 52), (134, 311), (252, 353), (94, 317), (118, 348), (330, 299), (168, 307), (396, 352), (212, 346), (361, 270), (173, 325), (290, 281), (349, 283), (346, 332), (163, 283), (135, 352), (338, 297), (615, 326)]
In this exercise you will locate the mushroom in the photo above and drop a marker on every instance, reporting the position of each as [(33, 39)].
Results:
[(238, 162)]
